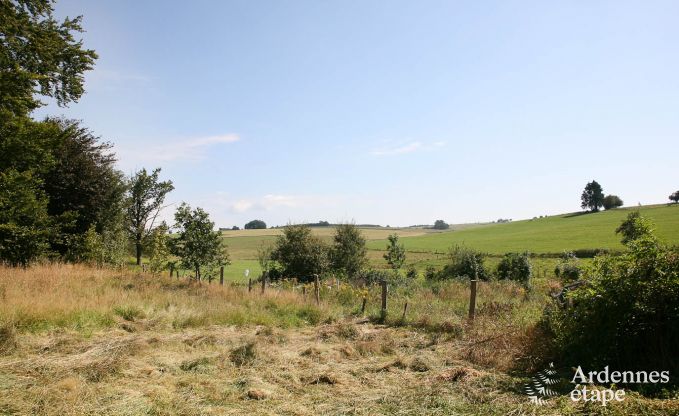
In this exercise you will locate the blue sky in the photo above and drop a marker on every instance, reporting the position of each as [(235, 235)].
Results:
[(394, 112)]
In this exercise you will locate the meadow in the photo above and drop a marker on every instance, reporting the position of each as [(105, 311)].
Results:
[(77, 340)]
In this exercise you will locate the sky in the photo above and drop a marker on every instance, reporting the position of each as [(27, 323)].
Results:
[(393, 113)]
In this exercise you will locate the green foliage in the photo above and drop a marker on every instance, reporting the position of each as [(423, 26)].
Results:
[(515, 266), (441, 225), (612, 201), (568, 268), (348, 252), (145, 200), (634, 227), (300, 254), (196, 244), (464, 262), (674, 197), (159, 248), (255, 225), (396, 253), (592, 197), (24, 224), (39, 54), (626, 315)]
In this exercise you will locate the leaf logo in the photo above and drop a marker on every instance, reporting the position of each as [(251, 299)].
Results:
[(537, 389)]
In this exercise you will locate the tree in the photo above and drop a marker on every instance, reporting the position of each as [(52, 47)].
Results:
[(159, 250), (39, 54), (515, 266), (145, 200), (464, 262), (634, 227), (675, 197), (441, 225), (24, 223), (300, 254), (612, 201), (348, 252), (396, 253), (592, 197), (255, 225), (197, 244)]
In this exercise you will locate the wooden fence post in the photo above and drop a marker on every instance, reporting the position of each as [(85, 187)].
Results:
[(365, 300), (171, 270), (263, 282), (304, 291), (472, 300), (405, 309), (221, 275), (250, 285), (317, 290), (384, 297)]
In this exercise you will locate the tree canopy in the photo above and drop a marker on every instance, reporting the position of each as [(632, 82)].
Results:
[(255, 225), (592, 197), (300, 253), (612, 201), (348, 251)]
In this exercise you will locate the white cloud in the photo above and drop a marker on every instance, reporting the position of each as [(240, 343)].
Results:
[(272, 201), (411, 147), (192, 149)]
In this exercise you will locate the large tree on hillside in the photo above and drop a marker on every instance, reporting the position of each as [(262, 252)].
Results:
[(145, 200), (348, 251), (255, 225), (675, 197), (39, 54), (592, 197)]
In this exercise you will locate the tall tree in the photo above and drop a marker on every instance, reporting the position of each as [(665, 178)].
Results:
[(396, 253), (39, 54), (675, 197), (612, 201), (197, 244), (145, 200), (592, 197), (348, 252)]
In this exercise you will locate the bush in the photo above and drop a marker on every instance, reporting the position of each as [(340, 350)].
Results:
[(568, 269), (300, 254), (441, 225), (626, 315), (464, 262), (515, 266), (612, 201)]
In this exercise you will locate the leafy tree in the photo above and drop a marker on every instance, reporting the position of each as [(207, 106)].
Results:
[(145, 200), (83, 185), (441, 225), (39, 53), (568, 267), (515, 266), (197, 244), (255, 225), (634, 227), (300, 254), (612, 201), (675, 197), (24, 224), (159, 249), (266, 263), (592, 197), (348, 252), (396, 253)]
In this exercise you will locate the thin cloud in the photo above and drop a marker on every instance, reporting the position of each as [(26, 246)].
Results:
[(193, 149), (406, 148), (271, 202)]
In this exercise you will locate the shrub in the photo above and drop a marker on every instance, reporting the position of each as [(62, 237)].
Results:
[(464, 262), (626, 315), (515, 266), (568, 269), (612, 201), (300, 253), (396, 253), (634, 227)]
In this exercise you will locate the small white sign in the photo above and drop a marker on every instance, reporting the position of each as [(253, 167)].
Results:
[(247, 272)]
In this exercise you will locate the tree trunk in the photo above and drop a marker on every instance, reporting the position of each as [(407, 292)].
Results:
[(138, 247)]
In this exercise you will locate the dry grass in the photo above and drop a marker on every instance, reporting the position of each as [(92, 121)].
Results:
[(88, 341)]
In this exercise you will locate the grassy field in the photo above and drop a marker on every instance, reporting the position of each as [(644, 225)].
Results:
[(76, 340), (549, 234)]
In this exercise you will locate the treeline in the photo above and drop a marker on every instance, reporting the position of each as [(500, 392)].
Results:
[(61, 197)]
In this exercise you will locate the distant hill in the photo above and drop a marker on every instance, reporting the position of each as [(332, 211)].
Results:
[(552, 234)]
